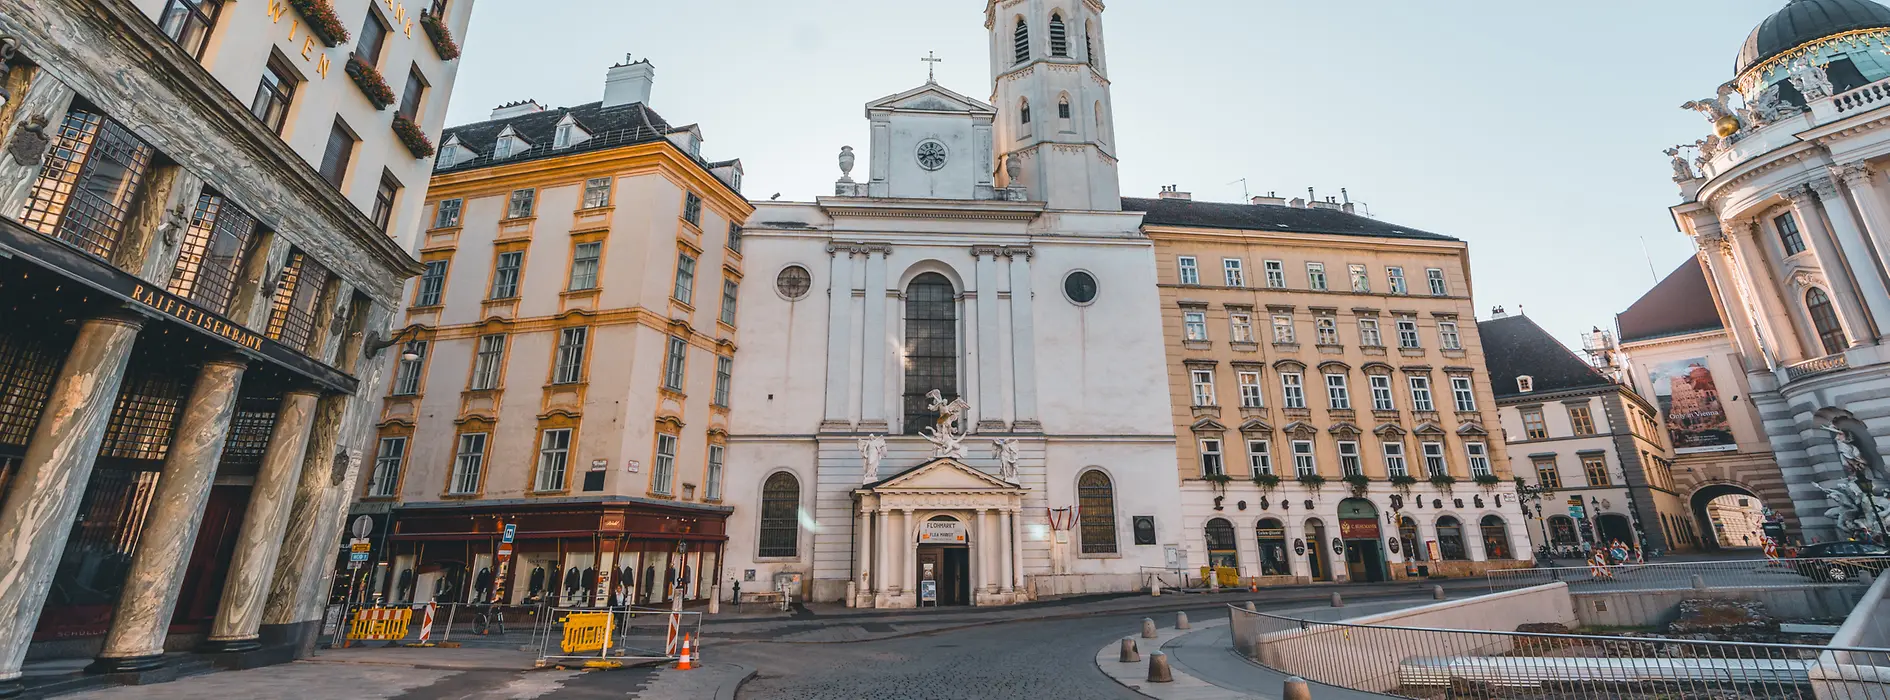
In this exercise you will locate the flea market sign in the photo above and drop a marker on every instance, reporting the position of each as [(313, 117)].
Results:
[(942, 532)]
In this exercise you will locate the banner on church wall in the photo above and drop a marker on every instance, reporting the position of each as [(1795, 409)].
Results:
[(1689, 401)]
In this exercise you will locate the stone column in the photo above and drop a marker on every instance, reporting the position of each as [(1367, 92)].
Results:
[(986, 545), (1840, 248), (990, 410), (908, 554), (1008, 554), (882, 551), (37, 514), (1871, 206), (863, 534), (1023, 341), (873, 355), (839, 336), (307, 555), (143, 614), (239, 612), (1767, 328)]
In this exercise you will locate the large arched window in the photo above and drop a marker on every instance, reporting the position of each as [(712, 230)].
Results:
[(931, 347), (1496, 538), (1450, 539), (1059, 36), (1220, 544), (1020, 41), (1271, 534), (1096, 510), (1407, 531), (780, 516), (1830, 332)]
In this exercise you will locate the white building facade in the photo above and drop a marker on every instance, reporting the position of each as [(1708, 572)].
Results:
[(968, 263)]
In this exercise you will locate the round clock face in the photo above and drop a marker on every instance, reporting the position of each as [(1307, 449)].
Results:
[(932, 154)]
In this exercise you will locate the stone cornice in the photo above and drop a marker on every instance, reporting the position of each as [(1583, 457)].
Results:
[(963, 210)]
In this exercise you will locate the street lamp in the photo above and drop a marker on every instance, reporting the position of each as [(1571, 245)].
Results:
[(375, 343)]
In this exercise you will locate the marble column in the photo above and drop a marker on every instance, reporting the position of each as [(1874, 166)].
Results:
[(873, 354), (908, 554), (987, 583), (1842, 256), (1007, 554), (1738, 265), (990, 374), (36, 516), (882, 546), (245, 588), (46, 97), (863, 536), (306, 557), (1023, 342), (839, 336), (1869, 196), (143, 615)]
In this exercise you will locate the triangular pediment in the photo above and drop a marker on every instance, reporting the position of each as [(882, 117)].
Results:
[(1389, 430), (1428, 429), (942, 474), (1208, 425), (1471, 429), (1255, 425), (929, 98)]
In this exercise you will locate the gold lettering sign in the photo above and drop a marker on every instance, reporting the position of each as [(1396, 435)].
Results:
[(181, 310)]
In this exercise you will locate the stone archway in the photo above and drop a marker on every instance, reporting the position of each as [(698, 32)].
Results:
[(1728, 535)]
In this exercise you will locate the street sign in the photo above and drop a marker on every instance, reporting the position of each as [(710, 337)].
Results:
[(363, 526), (511, 529), (1577, 512), (355, 558), (1575, 500), (359, 545)]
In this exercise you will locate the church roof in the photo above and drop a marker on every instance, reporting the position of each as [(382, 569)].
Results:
[(1805, 21), (1515, 347), (1269, 217), (609, 127), (1682, 303), (930, 97)]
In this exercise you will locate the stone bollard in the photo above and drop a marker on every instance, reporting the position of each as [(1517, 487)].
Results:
[(1181, 621), (1295, 689), (1148, 628), (1698, 581), (1337, 600), (1251, 608), (715, 600), (1158, 668), (1130, 654), (1154, 587), (1214, 581), (1437, 592)]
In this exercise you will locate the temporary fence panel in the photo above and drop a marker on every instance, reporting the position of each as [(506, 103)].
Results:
[(1741, 573), (569, 636)]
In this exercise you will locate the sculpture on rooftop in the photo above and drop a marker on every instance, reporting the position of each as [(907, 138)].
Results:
[(1811, 80)]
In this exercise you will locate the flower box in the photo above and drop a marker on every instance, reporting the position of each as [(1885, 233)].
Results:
[(440, 35), (412, 136), (1359, 484), (320, 18), (1267, 482), (370, 81), (1312, 481)]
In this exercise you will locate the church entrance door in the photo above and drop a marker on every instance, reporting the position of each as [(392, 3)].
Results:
[(949, 569)]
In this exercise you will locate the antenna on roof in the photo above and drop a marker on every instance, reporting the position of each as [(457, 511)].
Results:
[(1650, 261), (1244, 194)]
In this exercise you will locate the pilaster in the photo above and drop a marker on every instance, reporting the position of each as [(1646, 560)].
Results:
[(1849, 266), (839, 349), (876, 339), (1023, 340), (990, 414)]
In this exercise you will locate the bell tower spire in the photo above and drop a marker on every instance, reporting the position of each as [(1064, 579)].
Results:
[(1055, 127)]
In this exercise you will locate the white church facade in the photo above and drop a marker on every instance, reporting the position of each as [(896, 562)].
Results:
[(962, 394)]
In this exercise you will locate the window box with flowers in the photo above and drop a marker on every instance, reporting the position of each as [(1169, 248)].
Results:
[(1489, 482), (440, 35), (369, 79), (320, 18), (1403, 483), (1443, 481), (412, 136), (1312, 481), (1359, 484), (1267, 482)]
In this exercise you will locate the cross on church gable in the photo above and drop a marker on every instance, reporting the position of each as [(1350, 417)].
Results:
[(931, 68)]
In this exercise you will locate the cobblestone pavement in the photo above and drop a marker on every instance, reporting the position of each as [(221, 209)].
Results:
[(314, 680)]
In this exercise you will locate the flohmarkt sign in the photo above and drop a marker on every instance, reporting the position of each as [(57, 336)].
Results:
[(942, 532)]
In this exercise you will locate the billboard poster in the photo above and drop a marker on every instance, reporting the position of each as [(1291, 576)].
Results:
[(1689, 400)]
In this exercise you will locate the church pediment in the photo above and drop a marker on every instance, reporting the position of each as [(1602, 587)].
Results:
[(929, 98), (943, 474)]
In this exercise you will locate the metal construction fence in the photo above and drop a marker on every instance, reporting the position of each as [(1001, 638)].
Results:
[(1434, 664), (609, 636), (1741, 573), (453, 624)]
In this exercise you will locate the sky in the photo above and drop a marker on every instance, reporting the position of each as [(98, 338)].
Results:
[(1532, 130)]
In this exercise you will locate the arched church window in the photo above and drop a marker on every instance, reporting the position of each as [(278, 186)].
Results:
[(1020, 41), (780, 516), (1824, 317), (1059, 36), (1023, 110), (931, 347), (1096, 511), (1063, 107), (1496, 538)]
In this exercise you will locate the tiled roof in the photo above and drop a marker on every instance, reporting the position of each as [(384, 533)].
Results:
[(1269, 217), (610, 126), (1682, 303), (1516, 346)]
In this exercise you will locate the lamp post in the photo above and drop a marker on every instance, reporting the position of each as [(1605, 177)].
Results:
[(1531, 497), (1870, 501)]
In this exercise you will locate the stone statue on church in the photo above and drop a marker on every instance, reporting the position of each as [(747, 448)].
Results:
[(1853, 458), (846, 163), (1854, 512), (1811, 80), (1006, 452), (1682, 172), (872, 450), (948, 436)]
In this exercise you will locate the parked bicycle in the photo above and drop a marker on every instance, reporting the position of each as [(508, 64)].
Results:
[(489, 620)]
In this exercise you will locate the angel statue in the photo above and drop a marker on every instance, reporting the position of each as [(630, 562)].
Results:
[(948, 436), (872, 450), (1811, 80), (1713, 108), (1006, 452), (1681, 171)]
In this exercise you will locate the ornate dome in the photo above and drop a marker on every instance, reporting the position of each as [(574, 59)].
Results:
[(1806, 21)]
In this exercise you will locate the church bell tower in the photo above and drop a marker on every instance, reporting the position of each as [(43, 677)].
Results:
[(1055, 127)]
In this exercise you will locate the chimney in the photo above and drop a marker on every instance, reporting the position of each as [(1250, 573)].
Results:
[(1349, 209), (1174, 192), (1269, 199), (1497, 313), (516, 109), (629, 82), (1297, 203)]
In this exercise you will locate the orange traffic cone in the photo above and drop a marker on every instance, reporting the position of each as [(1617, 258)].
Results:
[(683, 664)]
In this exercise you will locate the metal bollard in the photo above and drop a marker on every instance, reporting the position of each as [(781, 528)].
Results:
[(1251, 608), (1181, 621), (452, 611), (1437, 592), (1130, 654), (1337, 601), (1698, 581), (1158, 668), (1148, 628), (1295, 689)]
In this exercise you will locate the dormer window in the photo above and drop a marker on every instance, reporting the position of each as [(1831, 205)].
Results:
[(695, 147), (569, 134), (563, 138), (449, 154), (509, 144), (1059, 36), (1525, 384)]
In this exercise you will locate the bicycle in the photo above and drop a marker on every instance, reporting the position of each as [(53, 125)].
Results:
[(487, 619)]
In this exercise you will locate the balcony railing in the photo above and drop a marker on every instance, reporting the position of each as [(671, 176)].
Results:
[(1866, 97), (1813, 368)]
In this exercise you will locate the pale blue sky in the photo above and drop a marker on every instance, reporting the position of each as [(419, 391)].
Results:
[(1531, 129)]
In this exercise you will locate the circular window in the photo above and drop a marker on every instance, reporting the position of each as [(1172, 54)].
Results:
[(1080, 287), (793, 282), (932, 154)]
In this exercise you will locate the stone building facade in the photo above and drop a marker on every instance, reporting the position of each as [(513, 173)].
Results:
[(200, 237), (1332, 416)]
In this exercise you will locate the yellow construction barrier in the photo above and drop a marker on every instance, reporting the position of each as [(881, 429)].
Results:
[(585, 632), (1228, 576), (380, 624)]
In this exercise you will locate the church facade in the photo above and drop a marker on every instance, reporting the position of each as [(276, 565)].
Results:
[(963, 401)]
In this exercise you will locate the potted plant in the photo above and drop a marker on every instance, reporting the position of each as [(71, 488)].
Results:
[(1403, 483), (1359, 483), (1443, 481), (412, 136), (369, 79), (440, 35), (1489, 482), (1312, 481), (320, 18), (1267, 482)]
